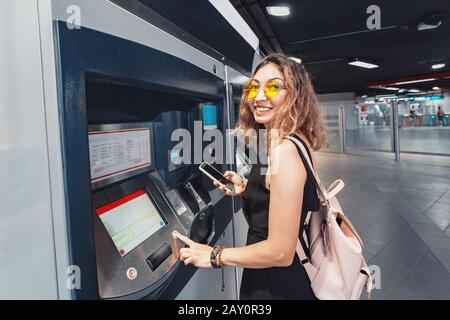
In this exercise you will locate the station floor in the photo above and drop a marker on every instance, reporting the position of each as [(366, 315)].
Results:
[(402, 211)]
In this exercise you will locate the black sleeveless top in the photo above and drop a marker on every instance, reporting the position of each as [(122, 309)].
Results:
[(277, 282)]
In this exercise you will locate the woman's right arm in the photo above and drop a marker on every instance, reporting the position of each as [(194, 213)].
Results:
[(239, 184)]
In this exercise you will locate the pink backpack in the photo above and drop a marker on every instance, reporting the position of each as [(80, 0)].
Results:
[(336, 266)]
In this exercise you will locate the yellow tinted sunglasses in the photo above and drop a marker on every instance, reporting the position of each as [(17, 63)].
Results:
[(271, 89)]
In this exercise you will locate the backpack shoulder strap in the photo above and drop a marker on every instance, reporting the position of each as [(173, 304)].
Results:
[(319, 186), (324, 194), (302, 249)]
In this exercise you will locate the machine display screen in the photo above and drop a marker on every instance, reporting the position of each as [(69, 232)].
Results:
[(209, 111), (130, 220)]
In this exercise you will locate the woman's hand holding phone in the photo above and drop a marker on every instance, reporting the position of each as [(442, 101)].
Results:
[(239, 184)]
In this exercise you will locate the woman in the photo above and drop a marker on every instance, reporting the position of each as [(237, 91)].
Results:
[(280, 97)]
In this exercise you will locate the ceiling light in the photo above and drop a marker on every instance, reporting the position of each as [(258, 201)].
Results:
[(438, 66), (385, 96), (436, 88), (385, 88), (431, 21), (364, 96), (278, 11), (363, 63), (414, 90), (389, 98), (415, 81)]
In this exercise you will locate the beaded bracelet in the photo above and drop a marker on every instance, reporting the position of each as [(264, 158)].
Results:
[(214, 257), (219, 257)]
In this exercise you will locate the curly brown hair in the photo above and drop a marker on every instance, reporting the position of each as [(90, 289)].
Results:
[(300, 111)]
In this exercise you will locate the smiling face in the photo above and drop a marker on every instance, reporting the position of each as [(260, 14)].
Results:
[(291, 105), (265, 109)]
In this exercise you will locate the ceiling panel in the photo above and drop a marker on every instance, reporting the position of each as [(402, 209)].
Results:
[(326, 33)]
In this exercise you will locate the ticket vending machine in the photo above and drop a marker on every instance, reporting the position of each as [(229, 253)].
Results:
[(125, 191), (135, 214)]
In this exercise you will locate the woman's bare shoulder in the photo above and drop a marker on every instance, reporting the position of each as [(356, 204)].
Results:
[(285, 155), (285, 162), (311, 150), (285, 150)]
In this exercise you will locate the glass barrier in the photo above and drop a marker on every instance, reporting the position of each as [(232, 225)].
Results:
[(330, 118), (424, 126), (368, 127)]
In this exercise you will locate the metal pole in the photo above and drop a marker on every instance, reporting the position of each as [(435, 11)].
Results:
[(229, 106), (341, 123), (396, 130), (391, 126)]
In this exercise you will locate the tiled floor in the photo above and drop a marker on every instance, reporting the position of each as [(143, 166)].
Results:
[(402, 211)]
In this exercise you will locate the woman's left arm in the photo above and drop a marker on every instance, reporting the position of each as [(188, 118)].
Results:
[(287, 181)]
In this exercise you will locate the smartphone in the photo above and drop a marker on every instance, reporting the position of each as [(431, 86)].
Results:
[(216, 175)]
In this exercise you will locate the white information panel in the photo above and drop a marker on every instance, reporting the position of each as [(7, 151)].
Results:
[(116, 152), (130, 220)]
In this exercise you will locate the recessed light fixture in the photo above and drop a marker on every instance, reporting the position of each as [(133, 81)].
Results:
[(385, 88), (414, 90), (431, 21), (415, 81), (363, 63), (436, 88), (278, 11), (387, 98), (438, 66)]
